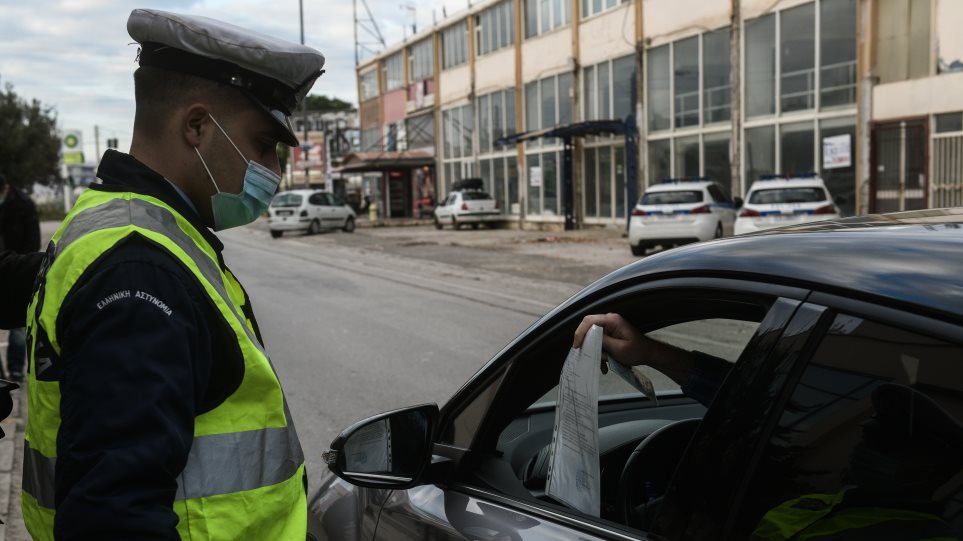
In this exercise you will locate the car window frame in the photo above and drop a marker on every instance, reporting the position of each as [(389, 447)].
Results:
[(501, 365), (317, 199)]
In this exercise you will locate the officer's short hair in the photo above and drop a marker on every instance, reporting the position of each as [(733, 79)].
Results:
[(158, 93)]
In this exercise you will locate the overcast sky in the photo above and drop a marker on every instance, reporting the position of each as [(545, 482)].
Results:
[(76, 55)]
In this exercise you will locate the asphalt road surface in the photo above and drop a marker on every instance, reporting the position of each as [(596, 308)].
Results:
[(353, 335)]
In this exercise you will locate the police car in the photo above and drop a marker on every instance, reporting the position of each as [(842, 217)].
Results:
[(777, 201), (679, 211)]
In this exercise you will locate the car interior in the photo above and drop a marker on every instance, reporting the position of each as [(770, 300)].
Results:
[(640, 443)]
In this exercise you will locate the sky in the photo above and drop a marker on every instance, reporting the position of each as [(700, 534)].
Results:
[(76, 55)]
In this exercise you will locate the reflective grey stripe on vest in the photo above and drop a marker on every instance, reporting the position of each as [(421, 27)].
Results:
[(217, 463), (38, 476)]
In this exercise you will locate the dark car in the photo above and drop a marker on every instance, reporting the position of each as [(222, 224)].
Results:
[(832, 330)]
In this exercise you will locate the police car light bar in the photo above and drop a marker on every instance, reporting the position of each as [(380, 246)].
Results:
[(683, 179)]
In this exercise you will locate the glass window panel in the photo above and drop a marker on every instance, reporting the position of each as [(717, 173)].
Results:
[(498, 177), (687, 157), (658, 88), (660, 160), (715, 151), (510, 111), (588, 92), (485, 172), (545, 15), (512, 166), (605, 182), (610, 3), (840, 181), (550, 183), (484, 118), (557, 13), (467, 123), (446, 134), (949, 122), (798, 58), (548, 102), (605, 91), (585, 8), (534, 192), (498, 118), (566, 12), (591, 184), (620, 182), (760, 153), (837, 52), (596, 6), (623, 73), (760, 66), (532, 107), (796, 147), (686, 78), (531, 18), (564, 99), (715, 85)]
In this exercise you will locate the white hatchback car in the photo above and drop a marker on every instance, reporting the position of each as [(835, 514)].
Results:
[(785, 201), (310, 211), (467, 204), (680, 211)]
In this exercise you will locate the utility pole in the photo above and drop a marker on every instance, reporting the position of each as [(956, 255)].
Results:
[(735, 99), (304, 113)]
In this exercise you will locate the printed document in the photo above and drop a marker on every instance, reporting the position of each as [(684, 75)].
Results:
[(573, 470)]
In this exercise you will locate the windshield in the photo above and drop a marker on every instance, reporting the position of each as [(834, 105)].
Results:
[(671, 198), (474, 196), (787, 195), (286, 200)]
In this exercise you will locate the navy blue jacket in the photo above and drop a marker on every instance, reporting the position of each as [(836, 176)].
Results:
[(133, 377)]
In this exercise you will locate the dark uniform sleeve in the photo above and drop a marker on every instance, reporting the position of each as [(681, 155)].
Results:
[(136, 358), (17, 275)]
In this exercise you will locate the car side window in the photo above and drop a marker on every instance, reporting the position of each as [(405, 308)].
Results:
[(317, 199), (870, 439)]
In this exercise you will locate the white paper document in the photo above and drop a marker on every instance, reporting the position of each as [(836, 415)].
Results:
[(573, 470), (636, 378)]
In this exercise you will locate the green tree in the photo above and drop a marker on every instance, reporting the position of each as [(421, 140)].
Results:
[(326, 103), (29, 145)]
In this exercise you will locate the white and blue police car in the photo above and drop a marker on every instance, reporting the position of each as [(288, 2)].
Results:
[(680, 211)]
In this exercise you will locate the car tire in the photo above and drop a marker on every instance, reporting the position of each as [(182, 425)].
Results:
[(637, 250), (474, 226), (314, 228), (438, 224), (719, 232), (275, 234), (348, 225)]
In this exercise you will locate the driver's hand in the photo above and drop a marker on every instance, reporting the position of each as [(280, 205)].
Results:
[(620, 339)]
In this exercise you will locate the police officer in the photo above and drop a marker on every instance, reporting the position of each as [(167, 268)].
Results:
[(154, 412), (910, 448)]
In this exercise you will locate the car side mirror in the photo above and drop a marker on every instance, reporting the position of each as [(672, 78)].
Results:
[(390, 450), (738, 202)]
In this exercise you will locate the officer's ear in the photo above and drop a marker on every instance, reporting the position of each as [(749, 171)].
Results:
[(196, 123)]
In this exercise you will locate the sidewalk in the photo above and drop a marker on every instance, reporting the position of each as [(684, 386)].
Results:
[(11, 469)]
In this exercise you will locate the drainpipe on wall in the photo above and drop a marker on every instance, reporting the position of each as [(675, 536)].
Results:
[(578, 181), (520, 119), (641, 167), (865, 53)]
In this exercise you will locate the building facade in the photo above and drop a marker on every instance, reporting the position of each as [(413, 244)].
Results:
[(866, 93)]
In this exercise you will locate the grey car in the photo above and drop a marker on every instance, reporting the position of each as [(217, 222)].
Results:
[(824, 329)]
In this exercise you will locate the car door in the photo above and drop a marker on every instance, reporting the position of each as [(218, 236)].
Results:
[(317, 208), (872, 412), (498, 426)]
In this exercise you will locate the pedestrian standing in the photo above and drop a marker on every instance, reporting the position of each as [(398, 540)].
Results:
[(20, 232), (154, 411)]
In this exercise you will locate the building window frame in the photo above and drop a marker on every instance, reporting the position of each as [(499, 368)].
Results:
[(394, 75), (546, 17), (491, 35), (421, 61), (454, 47), (369, 85), (589, 9)]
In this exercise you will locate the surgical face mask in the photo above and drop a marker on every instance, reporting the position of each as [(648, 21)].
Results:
[(233, 210)]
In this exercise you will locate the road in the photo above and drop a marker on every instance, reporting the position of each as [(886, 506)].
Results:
[(354, 334)]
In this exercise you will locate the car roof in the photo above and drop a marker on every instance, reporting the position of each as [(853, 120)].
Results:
[(301, 191), (682, 186), (787, 183), (909, 257)]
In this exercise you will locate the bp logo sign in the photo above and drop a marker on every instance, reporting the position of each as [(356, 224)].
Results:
[(71, 147), (71, 141)]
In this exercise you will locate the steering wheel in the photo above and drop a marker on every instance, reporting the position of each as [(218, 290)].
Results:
[(649, 470)]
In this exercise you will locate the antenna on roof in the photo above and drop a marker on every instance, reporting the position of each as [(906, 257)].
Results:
[(412, 18)]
